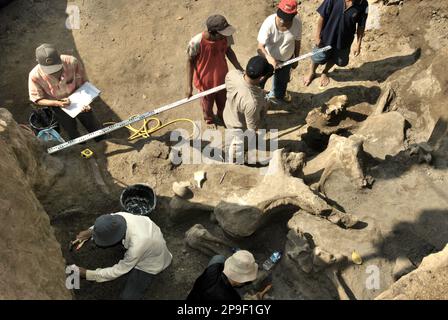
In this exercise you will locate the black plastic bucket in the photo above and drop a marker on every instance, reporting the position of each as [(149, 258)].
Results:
[(138, 199), (41, 119)]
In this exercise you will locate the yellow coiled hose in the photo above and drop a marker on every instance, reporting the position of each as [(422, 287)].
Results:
[(144, 131)]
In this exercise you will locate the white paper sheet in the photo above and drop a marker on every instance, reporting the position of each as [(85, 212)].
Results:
[(81, 98)]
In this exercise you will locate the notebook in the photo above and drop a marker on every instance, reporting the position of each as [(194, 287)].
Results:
[(81, 98)]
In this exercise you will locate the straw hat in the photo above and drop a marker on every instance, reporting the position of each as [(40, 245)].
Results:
[(241, 267)]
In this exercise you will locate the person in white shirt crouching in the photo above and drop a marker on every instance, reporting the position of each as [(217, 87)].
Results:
[(146, 255)]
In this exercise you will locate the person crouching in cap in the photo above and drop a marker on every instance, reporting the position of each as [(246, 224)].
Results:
[(246, 106), (52, 81), (279, 40), (146, 255), (207, 65), (221, 277)]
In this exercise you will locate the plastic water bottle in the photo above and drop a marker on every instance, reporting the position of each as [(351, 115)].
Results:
[(273, 259)]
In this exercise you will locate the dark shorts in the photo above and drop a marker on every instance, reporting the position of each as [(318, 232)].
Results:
[(339, 56)]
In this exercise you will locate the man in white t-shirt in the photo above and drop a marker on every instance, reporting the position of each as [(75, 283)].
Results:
[(279, 40)]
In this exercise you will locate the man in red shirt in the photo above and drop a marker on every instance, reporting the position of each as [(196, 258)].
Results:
[(207, 65)]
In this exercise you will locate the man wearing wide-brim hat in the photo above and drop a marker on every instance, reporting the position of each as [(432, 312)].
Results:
[(52, 81), (222, 276), (147, 254)]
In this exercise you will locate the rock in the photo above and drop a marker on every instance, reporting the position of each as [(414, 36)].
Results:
[(320, 118), (316, 245), (200, 177), (199, 238), (383, 134), (428, 282), (426, 84), (423, 151), (335, 105), (385, 100), (402, 266), (322, 258), (331, 118), (182, 190), (427, 158)]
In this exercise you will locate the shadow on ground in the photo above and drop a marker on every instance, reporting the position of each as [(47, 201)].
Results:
[(378, 70)]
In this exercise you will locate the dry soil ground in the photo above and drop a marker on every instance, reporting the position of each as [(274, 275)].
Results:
[(134, 51)]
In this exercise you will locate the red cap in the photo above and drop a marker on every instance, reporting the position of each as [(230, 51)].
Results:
[(288, 6)]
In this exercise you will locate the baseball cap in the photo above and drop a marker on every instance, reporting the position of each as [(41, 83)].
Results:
[(217, 23), (109, 229), (287, 9), (241, 267), (48, 58), (257, 67)]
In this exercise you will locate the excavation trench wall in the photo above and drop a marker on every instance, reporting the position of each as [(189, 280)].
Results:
[(32, 266)]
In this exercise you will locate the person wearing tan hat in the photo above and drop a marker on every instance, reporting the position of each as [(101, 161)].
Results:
[(219, 280), (52, 81), (207, 65)]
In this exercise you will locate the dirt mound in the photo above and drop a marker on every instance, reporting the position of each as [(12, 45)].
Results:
[(32, 266)]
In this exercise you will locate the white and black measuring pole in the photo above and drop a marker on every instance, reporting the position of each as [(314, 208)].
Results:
[(170, 106)]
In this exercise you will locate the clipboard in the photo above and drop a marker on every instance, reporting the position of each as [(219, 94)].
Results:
[(81, 98)]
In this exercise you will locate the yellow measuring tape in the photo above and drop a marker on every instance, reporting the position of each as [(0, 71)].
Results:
[(144, 131)]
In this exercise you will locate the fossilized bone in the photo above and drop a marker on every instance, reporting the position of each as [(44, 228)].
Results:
[(385, 100), (423, 151), (316, 259), (336, 105), (310, 259), (341, 153), (182, 209), (333, 275), (320, 117), (242, 215), (199, 238)]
